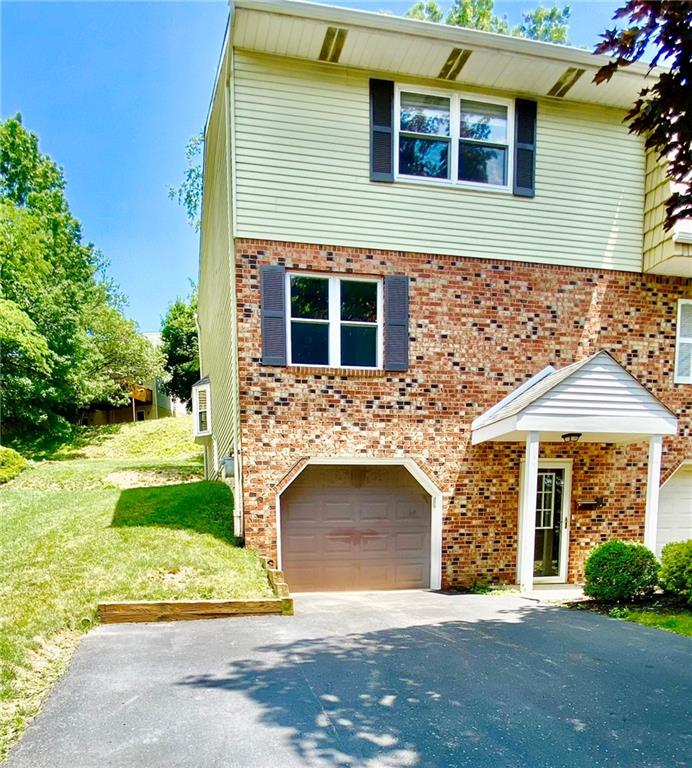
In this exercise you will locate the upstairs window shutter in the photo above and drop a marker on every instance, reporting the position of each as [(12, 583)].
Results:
[(683, 345), (396, 323), (525, 148), (273, 312), (381, 130)]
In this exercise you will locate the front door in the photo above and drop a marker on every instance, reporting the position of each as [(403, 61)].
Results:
[(552, 520)]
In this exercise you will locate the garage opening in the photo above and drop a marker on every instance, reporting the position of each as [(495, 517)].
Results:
[(675, 508), (355, 527)]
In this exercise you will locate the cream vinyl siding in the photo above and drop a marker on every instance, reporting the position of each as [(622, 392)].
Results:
[(218, 332), (302, 175)]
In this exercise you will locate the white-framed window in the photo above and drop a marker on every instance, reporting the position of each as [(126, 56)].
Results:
[(453, 138), (683, 343), (201, 408), (333, 321)]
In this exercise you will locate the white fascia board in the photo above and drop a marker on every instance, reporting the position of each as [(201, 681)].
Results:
[(445, 32), (513, 395), (494, 430), (613, 425)]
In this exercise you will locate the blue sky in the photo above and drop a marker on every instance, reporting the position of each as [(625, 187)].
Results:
[(114, 90)]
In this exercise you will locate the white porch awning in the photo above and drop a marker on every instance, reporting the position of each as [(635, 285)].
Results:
[(596, 398), (597, 401)]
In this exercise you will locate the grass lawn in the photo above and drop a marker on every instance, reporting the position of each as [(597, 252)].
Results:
[(679, 622), (119, 512)]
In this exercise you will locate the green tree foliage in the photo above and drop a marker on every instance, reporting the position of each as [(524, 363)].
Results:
[(549, 24), (620, 570), (425, 10), (53, 297), (189, 193), (180, 346), (663, 111)]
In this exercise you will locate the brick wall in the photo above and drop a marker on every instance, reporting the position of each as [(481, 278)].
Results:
[(478, 329)]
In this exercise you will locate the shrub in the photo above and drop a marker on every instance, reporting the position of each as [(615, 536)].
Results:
[(620, 570), (11, 464), (676, 569)]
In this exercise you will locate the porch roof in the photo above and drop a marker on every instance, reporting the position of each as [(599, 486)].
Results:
[(595, 397)]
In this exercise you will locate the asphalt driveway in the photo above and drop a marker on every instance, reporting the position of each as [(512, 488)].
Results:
[(379, 680)]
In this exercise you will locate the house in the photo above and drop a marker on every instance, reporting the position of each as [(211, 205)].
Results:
[(147, 401), (444, 335)]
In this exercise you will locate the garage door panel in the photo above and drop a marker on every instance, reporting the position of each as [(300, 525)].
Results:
[(336, 512), (675, 509), (410, 542), (369, 529), (410, 512)]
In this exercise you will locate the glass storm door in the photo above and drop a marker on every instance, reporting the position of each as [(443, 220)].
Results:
[(550, 524)]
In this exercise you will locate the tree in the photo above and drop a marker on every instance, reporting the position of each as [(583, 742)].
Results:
[(56, 303), (180, 346), (551, 25), (425, 10), (476, 14), (189, 193), (663, 111), (547, 24)]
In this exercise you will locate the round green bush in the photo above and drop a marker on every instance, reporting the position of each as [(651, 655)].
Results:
[(620, 570), (11, 464), (676, 569)]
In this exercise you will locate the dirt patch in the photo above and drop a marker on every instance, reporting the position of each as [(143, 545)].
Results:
[(146, 478)]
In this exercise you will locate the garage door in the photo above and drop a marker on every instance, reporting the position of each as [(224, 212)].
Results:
[(355, 528), (675, 509)]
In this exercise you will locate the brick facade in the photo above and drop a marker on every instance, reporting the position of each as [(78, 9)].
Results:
[(478, 329)]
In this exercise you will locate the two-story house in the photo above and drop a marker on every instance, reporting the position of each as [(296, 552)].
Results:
[(444, 335)]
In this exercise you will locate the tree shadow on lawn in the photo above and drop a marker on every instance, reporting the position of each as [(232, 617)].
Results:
[(534, 690), (204, 506)]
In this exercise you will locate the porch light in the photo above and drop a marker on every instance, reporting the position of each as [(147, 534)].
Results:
[(571, 437)]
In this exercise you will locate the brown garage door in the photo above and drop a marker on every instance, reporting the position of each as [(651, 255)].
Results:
[(357, 527)]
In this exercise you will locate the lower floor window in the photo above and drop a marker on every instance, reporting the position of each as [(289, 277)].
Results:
[(334, 321)]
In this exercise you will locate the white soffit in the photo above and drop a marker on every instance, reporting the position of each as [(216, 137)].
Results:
[(595, 397), (383, 43)]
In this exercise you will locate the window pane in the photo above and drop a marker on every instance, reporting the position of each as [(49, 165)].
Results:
[(423, 157), (484, 164), (359, 301), (424, 114), (202, 418), (310, 343), (484, 122), (359, 345), (309, 297)]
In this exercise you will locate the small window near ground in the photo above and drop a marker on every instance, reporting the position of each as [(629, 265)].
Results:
[(683, 343), (201, 402), (334, 321)]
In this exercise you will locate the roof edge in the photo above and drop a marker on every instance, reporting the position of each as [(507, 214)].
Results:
[(446, 32)]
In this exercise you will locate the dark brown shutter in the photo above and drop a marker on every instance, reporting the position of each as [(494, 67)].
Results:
[(396, 323), (273, 311), (381, 130), (525, 148)]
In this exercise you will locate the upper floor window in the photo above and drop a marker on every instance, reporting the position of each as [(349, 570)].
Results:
[(334, 321), (683, 343), (457, 139)]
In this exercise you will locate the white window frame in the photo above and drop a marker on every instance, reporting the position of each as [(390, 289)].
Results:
[(195, 409), (680, 339), (334, 319), (455, 99)]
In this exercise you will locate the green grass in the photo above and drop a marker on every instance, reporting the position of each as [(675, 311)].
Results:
[(128, 519), (679, 622)]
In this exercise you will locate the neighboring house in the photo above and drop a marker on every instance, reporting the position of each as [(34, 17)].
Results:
[(148, 401), (443, 333)]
